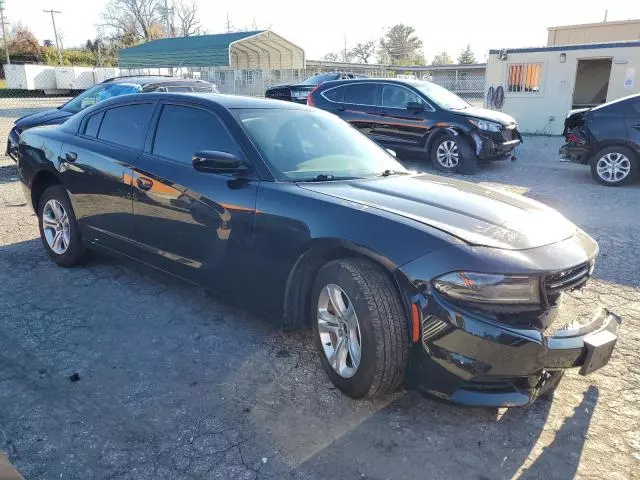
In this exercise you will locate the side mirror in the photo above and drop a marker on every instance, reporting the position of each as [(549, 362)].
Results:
[(391, 152), (415, 107), (218, 162)]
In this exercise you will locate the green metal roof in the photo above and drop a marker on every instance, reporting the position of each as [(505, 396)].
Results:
[(198, 51)]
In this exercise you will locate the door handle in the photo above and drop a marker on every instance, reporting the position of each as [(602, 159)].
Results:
[(381, 114), (341, 109), (636, 126), (144, 183), (70, 157)]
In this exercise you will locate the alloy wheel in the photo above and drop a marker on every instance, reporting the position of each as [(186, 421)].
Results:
[(613, 167), (339, 330), (56, 227), (447, 154)]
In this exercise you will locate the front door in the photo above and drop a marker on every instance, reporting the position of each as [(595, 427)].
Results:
[(195, 224), (97, 169), (398, 124)]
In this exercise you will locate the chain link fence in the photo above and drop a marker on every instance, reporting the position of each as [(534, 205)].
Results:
[(29, 89)]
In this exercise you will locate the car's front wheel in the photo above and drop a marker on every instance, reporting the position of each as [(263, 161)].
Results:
[(613, 166), (452, 154), (360, 327), (58, 227)]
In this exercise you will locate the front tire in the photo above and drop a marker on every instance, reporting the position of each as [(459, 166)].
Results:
[(58, 227), (451, 154), (613, 166), (360, 328)]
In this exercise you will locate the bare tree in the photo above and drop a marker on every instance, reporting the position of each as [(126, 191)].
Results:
[(331, 57), (138, 19), (186, 15), (364, 51)]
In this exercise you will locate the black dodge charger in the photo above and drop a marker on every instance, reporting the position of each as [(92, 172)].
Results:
[(454, 286), (298, 92)]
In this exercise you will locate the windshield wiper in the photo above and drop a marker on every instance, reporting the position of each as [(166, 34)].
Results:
[(323, 177), (388, 173)]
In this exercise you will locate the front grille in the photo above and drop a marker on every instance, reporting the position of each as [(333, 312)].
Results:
[(279, 93), (431, 328), (569, 279)]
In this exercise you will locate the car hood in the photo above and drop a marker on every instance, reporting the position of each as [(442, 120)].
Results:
[(486, 114), (476, 214), (46, 117)]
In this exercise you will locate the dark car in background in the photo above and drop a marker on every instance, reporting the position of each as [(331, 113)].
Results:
[(300, 215), (110, 88), (298, 92), (421, 118), (607, 138)]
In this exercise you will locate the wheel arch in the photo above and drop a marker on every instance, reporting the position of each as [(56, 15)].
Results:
[(296, 300), (42, 180), (615, 142), (441, 131)]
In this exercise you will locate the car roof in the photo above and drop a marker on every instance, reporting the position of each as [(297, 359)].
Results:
[(151, 79), (225, 101), (399, 81)]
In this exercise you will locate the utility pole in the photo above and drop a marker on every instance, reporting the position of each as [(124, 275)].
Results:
[(4, 32), (55, 32), (167, 12), (606, 12), (344, 56), (228, 24)]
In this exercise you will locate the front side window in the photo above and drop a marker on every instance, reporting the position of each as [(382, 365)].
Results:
[(99, 93), (305, 145), (361, 94), (395, 96), (126, 125), (183, 131), (524, 78)]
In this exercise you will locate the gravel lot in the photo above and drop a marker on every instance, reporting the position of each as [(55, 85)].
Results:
[(174, 383)]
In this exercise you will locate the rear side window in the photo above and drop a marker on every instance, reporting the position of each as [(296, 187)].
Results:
[(126, 125), (361, 94), (183, 131), (635, 106), (334, 94), (93, 125)]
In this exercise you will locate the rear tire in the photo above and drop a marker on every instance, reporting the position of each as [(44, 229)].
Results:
[(614, 166), (58, 227), (377, 350), (451, 154)]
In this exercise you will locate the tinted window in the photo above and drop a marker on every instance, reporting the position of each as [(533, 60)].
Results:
[(635, 106), (183, 131), (320, 78), (394, 96), (93, 124), (334, 94), (126, 125), (361, 94)]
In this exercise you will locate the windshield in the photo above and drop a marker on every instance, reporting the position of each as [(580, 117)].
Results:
[(98, 94), (320, 78), (305, 145), (441, 96)]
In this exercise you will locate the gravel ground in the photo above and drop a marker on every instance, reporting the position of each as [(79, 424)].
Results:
[(173, 383)]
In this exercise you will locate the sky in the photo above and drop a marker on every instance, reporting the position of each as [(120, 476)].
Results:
[(320, 27)]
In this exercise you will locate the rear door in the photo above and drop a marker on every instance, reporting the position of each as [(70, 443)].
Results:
[(97, 170), (198, 225), (397, 126), (358, 105)]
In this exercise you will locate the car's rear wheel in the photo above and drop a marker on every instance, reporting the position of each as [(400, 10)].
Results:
[(452, 154), (360, 327), (613, 166), (58, 227)]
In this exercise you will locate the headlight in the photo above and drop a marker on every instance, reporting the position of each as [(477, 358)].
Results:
[(489, 288), (486, 125)]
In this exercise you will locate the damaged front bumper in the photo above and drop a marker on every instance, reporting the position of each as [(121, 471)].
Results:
[(496, 145), (471, 359)]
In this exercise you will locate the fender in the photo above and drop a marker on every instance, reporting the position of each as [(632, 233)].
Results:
[(436, 132)]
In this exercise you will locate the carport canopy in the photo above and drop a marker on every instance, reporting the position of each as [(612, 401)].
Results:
[(239, 50)]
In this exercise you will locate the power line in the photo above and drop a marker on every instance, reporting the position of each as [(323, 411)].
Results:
[(4, 32), (55, 32)]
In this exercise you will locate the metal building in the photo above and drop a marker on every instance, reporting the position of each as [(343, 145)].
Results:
[(240, 50)]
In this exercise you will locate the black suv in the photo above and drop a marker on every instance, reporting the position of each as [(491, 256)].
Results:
[(113, 87), (417, 117), (607, 138), (298, 92)]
